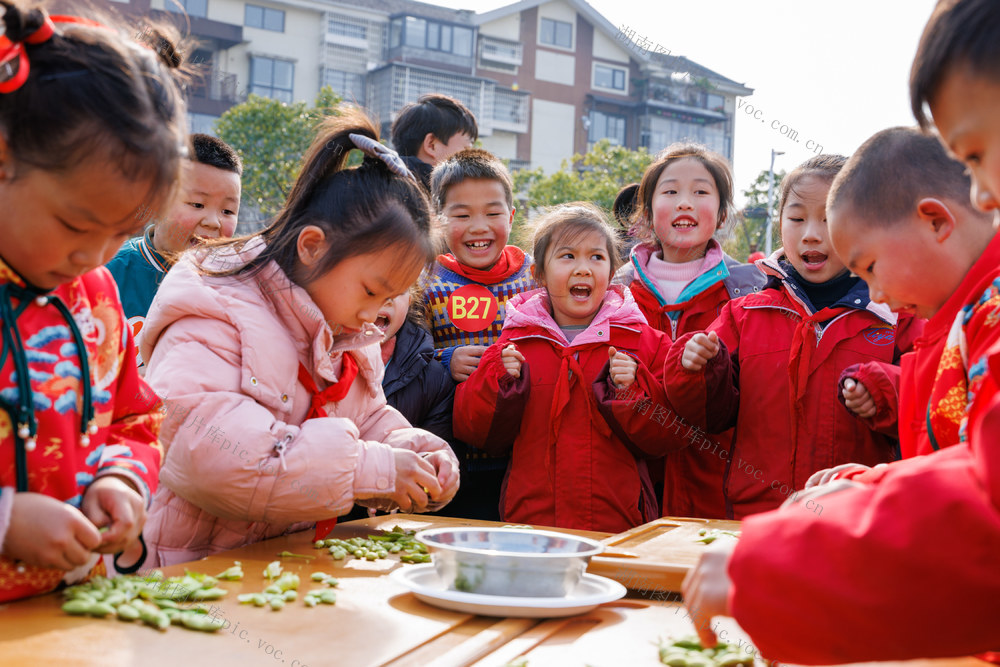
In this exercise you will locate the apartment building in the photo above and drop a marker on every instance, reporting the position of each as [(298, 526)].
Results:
[(545, 78)]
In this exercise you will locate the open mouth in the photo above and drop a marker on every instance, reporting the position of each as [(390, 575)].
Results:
[(684, 222), (813, 260), (478, 246), (580, 292), (382, 321)]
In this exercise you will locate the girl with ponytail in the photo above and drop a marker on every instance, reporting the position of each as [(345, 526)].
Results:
[(266, 354)]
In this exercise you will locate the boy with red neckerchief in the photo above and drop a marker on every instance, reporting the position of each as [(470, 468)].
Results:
[(467, 292)]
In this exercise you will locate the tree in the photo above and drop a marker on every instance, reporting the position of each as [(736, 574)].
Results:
[(595, 177), (272, 137), (748, 234)]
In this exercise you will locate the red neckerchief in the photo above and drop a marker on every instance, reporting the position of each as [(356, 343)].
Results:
[(335, 392), (799, 360), (510, 262), (570, 373)]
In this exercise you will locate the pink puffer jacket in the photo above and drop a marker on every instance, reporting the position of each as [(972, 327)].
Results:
[(242, 462)]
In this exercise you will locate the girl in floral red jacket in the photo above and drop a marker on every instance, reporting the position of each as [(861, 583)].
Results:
[(771, 365), (572, 388), (90, 137)]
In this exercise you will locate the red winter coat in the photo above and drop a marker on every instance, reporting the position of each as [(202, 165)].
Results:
[(776, 380), (689, 471), (65, 459), (576, 442), (904, 567)]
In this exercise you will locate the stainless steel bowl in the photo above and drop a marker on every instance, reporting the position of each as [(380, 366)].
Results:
[(513, 562)]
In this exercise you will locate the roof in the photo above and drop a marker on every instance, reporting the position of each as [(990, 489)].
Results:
[(683, 64), (412, 7)]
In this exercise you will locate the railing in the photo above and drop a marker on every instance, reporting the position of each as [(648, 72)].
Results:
[(510, 110), (499, 50)]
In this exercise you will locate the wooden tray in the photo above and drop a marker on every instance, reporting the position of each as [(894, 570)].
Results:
[(656, 556)]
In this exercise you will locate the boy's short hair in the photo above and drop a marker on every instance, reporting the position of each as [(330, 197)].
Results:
[(959, 32), (215, 153), (440, 115), (892, 171), (465, 164)]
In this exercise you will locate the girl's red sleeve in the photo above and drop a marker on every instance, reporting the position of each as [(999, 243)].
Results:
[(709, 398), (490, 404), (132, 449)]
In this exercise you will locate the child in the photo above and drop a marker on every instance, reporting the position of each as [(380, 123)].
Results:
[(467, 293), (431, 130), (550, 390), (918, 543), (680, 278), (205, 205), (414, 383), (90, 132), (771, 363), (267, 342)]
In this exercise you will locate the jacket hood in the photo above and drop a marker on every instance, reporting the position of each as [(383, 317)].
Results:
[(193, 293), (531, 310), (858, 297)]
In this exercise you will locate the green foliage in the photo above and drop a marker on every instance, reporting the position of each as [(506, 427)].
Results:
[(595, 177), (748, 235), (272, 138)]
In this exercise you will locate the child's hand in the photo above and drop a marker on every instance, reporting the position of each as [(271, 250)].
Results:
[(701, 349), (416, 481), (706, 589), (858, 400), (512, 360), (464, 360), (111, 501), (45, 532), (447, 475), (622, 368)]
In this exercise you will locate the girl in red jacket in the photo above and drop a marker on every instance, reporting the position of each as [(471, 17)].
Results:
[(572, 388), (680, 278), (771, 364), (93, 133)]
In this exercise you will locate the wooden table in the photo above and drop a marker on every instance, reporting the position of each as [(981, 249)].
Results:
[(375, 622)]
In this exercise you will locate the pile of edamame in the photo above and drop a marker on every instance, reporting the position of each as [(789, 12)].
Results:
[(708, 536), (689, 652), (152, 599), (395, 541)]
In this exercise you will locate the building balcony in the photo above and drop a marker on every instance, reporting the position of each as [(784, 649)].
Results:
[(501, 51), (510, 110), (213, 93)]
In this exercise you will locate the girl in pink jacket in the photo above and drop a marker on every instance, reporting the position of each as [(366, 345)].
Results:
[(266, 354)]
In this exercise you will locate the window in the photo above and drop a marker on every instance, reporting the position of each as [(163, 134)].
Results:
[(264, 18), (557, 33), (348, 85), (431, 35), (345, 29), (272, 78), (190, 7), (609, 77), (607, 126)]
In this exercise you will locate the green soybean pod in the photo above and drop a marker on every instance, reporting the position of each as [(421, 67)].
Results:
[(276, 603), (290, 595), (100, 609), (77, 606), (319, 576), (127, 612), (273, 589)]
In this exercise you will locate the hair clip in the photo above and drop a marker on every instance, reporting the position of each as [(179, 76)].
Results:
[(14, 65), (374, 149)]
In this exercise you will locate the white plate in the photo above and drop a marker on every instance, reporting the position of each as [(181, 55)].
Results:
[(592, 590)]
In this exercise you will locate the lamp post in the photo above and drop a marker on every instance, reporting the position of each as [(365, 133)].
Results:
[(770, 206)]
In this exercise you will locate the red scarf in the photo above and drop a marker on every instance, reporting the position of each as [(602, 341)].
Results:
[(335, 392), (510, 262)]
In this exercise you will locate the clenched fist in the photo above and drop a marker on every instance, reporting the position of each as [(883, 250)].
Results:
[(701, 349)]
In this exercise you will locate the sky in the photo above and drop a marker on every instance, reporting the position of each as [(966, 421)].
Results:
[(833, 72)]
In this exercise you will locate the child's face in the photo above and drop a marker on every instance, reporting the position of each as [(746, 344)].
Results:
[(354, 291), (57, 226), (577, 273), (478, 222), (205, 205), (392, 314), (965, 113), (685, 209), (804, 233), (894, 261)]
